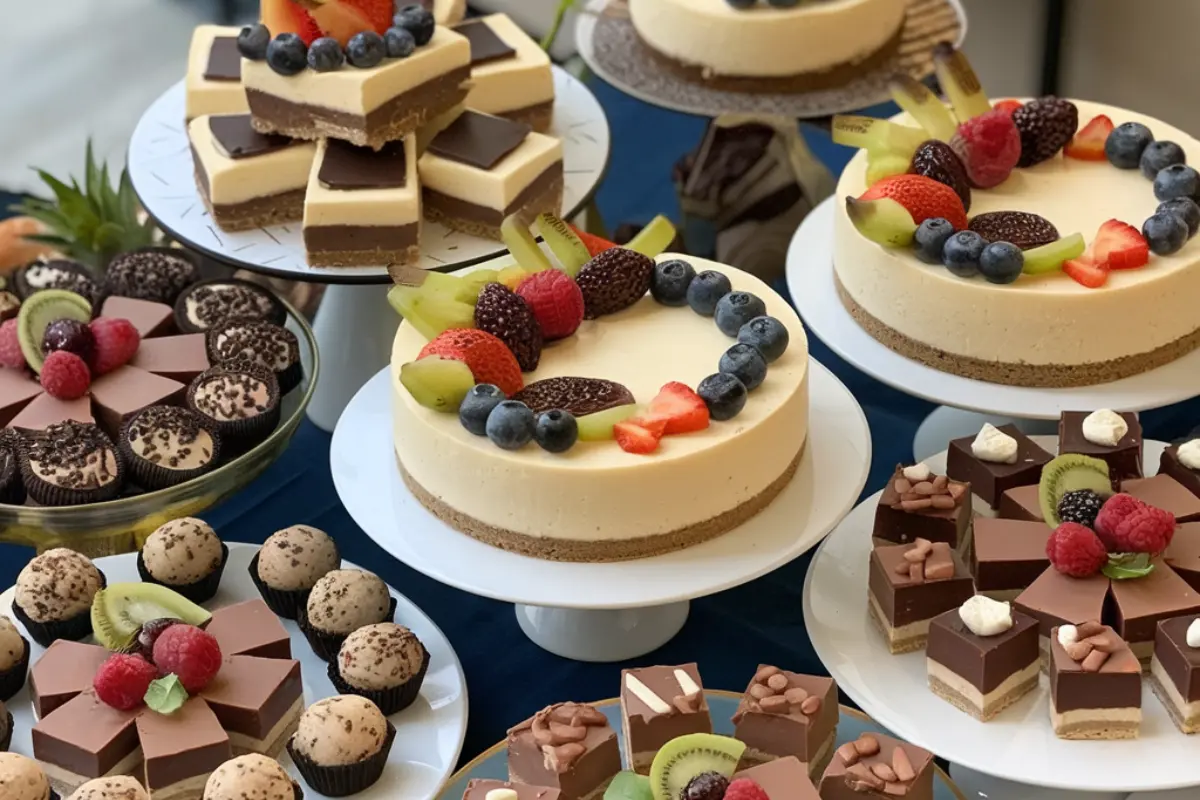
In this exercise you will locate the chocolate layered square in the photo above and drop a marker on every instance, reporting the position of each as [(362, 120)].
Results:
[(1124, 459), (479, 788), (1021, 503), (84, 739), (1183, 553), (1175, 671), (784, 778), (214, 70), (876, 765), (566, 746), (1163, 491), (250, 628), (149, 318), (258, 701), (1139, 604), (1095, 685), (16, 392), (45, 411), (909, 585), (982, 675), (1056, 599), (936, 508), (179, 358), (128, 389), (182, 749), (1170, 464), (64, 671), (1007, 555), (510, 72), (990, 479), (785, 714), (659, 704)]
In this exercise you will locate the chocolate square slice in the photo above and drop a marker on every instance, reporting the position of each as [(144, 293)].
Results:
[(480, 788), (1175, 670), (1163, 491), (1095, 684), (179, 358), (150, 318), (45, 411), (250, 629), (127, 389), (1007, 555), (787, 714), (1056, 599), (1171, 464), (659, 704), (16, 392), (784, 778), (63, 672), (1138, 604), (181, 749), (877, 766), (479, 140), (909, 585), (486, 46), (1021, 503), (990, 479), (84, 739), (1124, 459), (224, 60), (1183, 553), (982, 675), (916, 504), (258, 701), (566, 746)]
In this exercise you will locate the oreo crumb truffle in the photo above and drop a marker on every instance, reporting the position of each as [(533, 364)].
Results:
[(266, 344), (295, 558), (167, 445), (56, 273), (381, 656), (344, 600), (117, 787), (240, 401), (57, 585), (70, 463), (251, 777), (22, 778), (182, 552), (12, 485), (206, 304), (340, 731), (157, 274)]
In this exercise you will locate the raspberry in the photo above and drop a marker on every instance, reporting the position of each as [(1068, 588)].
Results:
[(1046, 126), (191, 654), (122, 680), (1127, 525), (10, 346), (507, 316), (65, 375), (745, 789), (1075, 550), (116, 342), (556, 301), (989, 146)]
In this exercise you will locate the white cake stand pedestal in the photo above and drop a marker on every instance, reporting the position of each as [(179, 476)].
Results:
[(354, 325), (966, 403), (614, 611)]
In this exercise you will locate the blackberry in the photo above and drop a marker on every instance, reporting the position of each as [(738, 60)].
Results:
[(1046, 126), (1023, 229), (1081, 506), (505, 315), (934, 159), (706, 786)]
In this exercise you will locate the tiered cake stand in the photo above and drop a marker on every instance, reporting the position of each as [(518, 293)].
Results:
[(354, 325), (966, 403)]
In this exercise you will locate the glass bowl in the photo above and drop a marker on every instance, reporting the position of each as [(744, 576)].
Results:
[(120, 526)]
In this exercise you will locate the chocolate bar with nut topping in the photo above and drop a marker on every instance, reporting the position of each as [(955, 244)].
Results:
[(1095, 685), (566, 746), (909, 585), (937, 509), (876, 765), (659, 704), (787, 714)]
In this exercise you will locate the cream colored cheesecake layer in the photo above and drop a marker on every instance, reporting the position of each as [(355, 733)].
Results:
[(499, 186), (1187, 711), (596, 491), (392, 206), (360, 91), (205, 96), (236, 180), (509, 84), (449, 12), (1044, 320), (970, 692), (764, 41)]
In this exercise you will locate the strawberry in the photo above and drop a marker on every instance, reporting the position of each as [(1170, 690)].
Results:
[(679, 408), (1087, 272), (595, 244), (639, 435), (923, 198), (489, 359), (377, 13), (287, 16), (1119, 245), (1007, 106), (1088, 143), (556, 301)]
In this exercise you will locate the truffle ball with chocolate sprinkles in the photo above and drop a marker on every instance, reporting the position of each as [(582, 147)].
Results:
[(344, 600), (22, 778), (167, 445), (381, 656), (250, 777), (341, 730), (296, 557), (116, 787), (12, 645), (57, 585), (182, 551), (157, 274), (70, 463)]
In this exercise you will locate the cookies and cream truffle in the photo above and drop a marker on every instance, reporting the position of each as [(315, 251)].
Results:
[(345, 600), (182, 552), (116, 787), (22, 779), (57, 585), (381, 656), (340, 730), (12, 645), (253, 777), (296, 557)]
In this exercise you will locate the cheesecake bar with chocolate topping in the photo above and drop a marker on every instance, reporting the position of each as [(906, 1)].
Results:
[(510, 72), (214, 73)]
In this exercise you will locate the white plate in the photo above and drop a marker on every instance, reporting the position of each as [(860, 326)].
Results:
[(160, 166), (429, 734), (1018, 745), (810, 280)]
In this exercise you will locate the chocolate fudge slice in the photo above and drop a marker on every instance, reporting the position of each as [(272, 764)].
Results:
[(1095, 684), (784, 778), (990, 479), (784, 714), (480, 788), (1124, 459), (1007, 555), (876, 765), (1183, 553), (250, 629), (1021, 503), (1175, 670), (62, 673), (1056, 599), (916, 504), (659, 704), (84, 739), (1171, 464), (181, 749), (258, 701), (566, 746), (911, 584), (1137, 605)]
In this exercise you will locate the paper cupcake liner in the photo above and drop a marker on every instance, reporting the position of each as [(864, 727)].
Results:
[(13, 678), (390, 701), (290, 378), (49, 494), (327, 645), (343, 781), (6, 739), (298, 792), (277, 314), (75, 629), (239, 435), (166, 297), (286, 604), (153, 477), (201, 591)]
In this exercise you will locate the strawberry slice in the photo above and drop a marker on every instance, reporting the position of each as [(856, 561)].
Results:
[(1007, 106), (639, 436), (1119, 245), (1086, 272), (595, 244), (679, 409), (1088, 144)]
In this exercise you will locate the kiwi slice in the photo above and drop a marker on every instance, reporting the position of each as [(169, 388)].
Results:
[(1069, 473), (38, 311), (629, 786), (120, 610), (437, 383), (598, 427), (681, 759)]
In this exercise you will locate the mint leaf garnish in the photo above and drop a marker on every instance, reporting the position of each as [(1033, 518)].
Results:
[(166, 695), (1124, 566)]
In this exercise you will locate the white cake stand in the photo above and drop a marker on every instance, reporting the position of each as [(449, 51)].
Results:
[(602, 612), (354, 325), (1015, 756), (967, 403)]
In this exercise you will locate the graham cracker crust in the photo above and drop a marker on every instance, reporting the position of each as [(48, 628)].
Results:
[(364, 258), (1191, 725), (544, 194), (895, 646), (959, 701), (259, 212), (1097, 731), (607, 550), (1034, 375), (538, 116)]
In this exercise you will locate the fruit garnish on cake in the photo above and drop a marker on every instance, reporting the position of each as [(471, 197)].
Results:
[(339, 19)]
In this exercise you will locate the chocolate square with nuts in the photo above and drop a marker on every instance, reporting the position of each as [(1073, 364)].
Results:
[(876, 765), (989, 479), (1124, 459), (659, 704), (910, 584), (934, 508), (566, 746), (1097, 671), (786, 714)]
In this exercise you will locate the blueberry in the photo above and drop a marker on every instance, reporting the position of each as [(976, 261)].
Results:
[(325, 54), (705, 290), (1124, 146), (931, 238), (399, 42), (1159, 155), (744, 363), (736, 309), (765, 334), (1186, 209), (510, 426), (1001, 262), (253, 40), (961, 253), (287, 55), (556, 431), (1165, 233), (724, 395), (670, 281), (365, 49), (418, 21), (1177, 180), (477, 405)]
